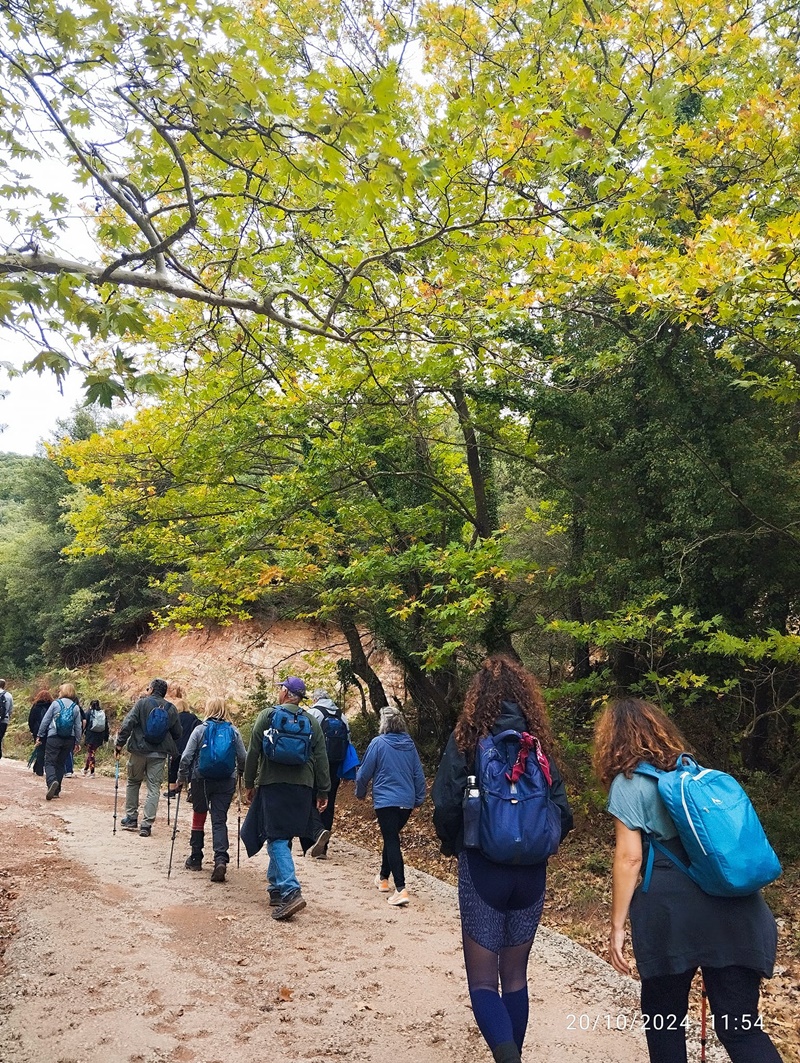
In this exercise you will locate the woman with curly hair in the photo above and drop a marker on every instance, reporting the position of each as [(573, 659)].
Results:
[(675, 926), (500, 904)]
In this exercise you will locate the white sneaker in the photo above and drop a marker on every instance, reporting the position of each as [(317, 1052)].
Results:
[(381, 884), (398, 898)]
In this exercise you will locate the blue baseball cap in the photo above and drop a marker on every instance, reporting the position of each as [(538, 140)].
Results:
[(294, 686)]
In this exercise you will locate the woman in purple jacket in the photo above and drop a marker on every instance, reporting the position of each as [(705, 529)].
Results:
[(398, 787)]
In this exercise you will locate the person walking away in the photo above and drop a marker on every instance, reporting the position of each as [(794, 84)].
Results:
[(95, 734), (281, 794), (213, 759), (188, 723), (391, 763), (6, 708), (150, 730), (61, 727), (500, 903), (675, 926), (336, 730), (41, 704)]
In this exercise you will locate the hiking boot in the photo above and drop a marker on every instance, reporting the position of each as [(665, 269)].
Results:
[(194, 862), (218, 874), (289, 906), (144, 830), (319, 845), (274, 898), (52, 791), (399, 898)]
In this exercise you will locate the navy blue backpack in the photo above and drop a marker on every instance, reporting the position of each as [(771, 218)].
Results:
[(509, 814), (287, 740)]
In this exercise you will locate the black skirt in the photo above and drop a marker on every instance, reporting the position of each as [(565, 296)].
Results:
[(281, 810), (676, 927)]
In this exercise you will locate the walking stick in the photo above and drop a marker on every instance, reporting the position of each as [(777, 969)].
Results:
[(169, 794), (116, 794), (703, 1007), (239, 821), (174, 832)]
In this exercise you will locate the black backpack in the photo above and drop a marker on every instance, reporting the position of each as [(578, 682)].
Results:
[(335, 730)]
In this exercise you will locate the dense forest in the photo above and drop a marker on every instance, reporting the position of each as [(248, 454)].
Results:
[(473, 328)]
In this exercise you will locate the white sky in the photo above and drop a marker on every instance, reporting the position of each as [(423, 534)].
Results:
[(33, 404)]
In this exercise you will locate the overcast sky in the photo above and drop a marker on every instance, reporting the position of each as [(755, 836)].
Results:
[(33, 404)]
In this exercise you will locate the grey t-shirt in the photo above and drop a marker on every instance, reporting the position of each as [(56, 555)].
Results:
[(636, 802)]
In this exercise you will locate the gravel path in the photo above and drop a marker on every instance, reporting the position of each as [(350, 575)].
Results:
[(113, 963)]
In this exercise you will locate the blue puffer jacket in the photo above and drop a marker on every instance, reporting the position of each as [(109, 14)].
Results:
[(393, 765)]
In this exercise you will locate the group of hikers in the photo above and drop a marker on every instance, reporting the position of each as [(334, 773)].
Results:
[(500, 808)]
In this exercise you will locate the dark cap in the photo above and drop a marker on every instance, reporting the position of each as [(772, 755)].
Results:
[(295, 686)]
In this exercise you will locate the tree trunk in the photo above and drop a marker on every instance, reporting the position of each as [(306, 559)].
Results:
[(361, 665)]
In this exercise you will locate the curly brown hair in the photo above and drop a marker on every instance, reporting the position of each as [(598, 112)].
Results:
[(629, 731), (43, 695), (501, 679)]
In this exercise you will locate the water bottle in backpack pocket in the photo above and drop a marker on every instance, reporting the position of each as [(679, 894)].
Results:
[(287, 739), (65, 719), (519, 821), (217, 757), (471, 808)]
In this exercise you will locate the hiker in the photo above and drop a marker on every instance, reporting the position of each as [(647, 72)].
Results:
[(281, 794), (188, 723), (336, 730), (675, 926), (392, 764), (500, 902), (6, 708), (95, 734), (150, 730), (61, 728), (213, 759), (41, 703)]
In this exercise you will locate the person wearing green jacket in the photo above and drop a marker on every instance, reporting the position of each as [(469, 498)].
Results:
[(281, 799)]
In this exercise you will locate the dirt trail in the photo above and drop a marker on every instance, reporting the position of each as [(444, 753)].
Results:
[(112, 963)]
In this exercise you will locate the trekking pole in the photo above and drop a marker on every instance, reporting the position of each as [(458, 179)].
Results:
[(116, 795), (174, 832), (169, 792), (239, 821), (703, 1007)]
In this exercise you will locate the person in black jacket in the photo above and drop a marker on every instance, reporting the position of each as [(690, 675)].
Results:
[(500, 904), (188, 723), (95, 733), (40, 706)]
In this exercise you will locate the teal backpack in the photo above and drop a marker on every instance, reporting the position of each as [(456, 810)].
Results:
[(217, 759), (65, 719), (728, 851)]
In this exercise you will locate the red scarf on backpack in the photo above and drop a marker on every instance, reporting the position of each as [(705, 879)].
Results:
[(528, 743)]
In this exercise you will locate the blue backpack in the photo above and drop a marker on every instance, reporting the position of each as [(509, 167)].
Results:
[(217, 758), (65, 719), (287, 740), (156, 725), (728, 851), (509, 814)]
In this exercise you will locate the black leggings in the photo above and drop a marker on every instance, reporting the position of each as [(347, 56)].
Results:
[(391, 821), (733, 995)]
